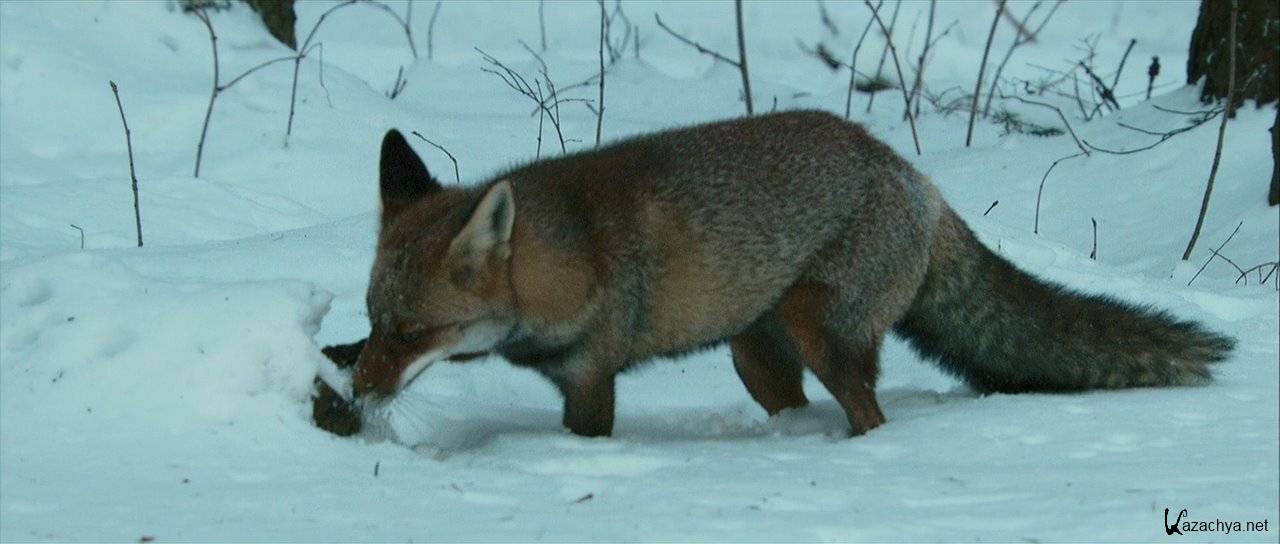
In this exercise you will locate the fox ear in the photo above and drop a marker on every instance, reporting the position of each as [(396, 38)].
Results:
[(488, 231), (402, 176)]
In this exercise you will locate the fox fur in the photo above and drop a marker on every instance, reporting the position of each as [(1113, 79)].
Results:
[(797, 238)]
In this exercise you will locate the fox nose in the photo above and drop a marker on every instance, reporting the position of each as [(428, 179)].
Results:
[(363, 386)]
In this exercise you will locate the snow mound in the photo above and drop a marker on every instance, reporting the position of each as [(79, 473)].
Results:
[(84, 334)]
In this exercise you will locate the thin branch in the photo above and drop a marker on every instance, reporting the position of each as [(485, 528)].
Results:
[(695, 45), (213, 94), (406, 23), (128, 140), (982, 68), (1115, 82), (542, 25), (1108, 95), (1233, 264), (1273, 265), (431, 31), (1218, 251), (74, 226), (297, 64), (1152, 71), (246, 73), (1222, 132), (1019, 41), (457, 177), (548, 104), (742, 58), (924, 52), (1164, 136), (884, 53), (853, 63), (398, 86), (1040, 192), (740, 64), (902, 84), (1093, 254), (600, 103), (1061, 115), (327, 98)]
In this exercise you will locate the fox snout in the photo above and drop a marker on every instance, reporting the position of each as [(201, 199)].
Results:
[(390, 361)]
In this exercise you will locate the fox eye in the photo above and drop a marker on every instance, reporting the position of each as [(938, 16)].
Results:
[(408, 335)]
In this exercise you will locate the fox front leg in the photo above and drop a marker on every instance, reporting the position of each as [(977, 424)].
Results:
[(588, 397)]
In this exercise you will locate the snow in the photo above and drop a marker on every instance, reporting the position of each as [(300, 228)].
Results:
[(163, 391)]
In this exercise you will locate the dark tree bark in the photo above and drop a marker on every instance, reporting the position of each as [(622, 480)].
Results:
[(279, 17), (1257, 60), (1274, 197), (1257, 53)]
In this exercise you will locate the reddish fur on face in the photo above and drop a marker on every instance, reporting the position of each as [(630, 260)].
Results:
[(385, 358)]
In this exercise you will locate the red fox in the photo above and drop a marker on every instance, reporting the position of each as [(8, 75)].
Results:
[(796, 237)]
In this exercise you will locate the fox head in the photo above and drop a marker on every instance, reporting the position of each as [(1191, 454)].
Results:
[(440, 286)]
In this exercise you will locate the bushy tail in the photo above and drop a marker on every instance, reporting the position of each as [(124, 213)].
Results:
[(1004, 331)]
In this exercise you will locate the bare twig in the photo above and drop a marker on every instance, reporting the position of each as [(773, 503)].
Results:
[(303, 51), (740, 64), (457, 177), (742, 56), (1271, 267), (542, 25), (853, 62), (218, 86), (547, 102), (213, 94), (1222, 132), (1217, 252), (826, 19), (1108, 95), (74, 226), (431, 31), (694, 44), (1094, 253), (1115, 82), (906, 98), (1152, 71), (406, 23), (128, 140), (924, 53), (328, 99), (1040, 192), (1164, 136), (1061, 115), (600, 102), (977, 88), (1019, 41), (884, 54), (398, 86)]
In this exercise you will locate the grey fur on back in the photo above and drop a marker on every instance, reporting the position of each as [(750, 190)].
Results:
[(695, 233)]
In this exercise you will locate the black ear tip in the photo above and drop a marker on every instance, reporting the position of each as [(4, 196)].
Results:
[(394, 139)]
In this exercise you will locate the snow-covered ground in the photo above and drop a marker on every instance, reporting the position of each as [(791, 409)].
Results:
[(164, 392)]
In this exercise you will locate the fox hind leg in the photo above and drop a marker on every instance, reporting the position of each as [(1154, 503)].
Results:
[(846, 367), (768, 367)]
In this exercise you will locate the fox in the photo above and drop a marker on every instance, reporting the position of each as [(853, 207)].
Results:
[(797, 238)]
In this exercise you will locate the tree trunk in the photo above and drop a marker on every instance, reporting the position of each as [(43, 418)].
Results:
[(1274, 197), (1257, 61), (1257, 53)]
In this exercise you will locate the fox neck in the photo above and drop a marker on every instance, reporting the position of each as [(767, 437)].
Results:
[(553, 288)]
